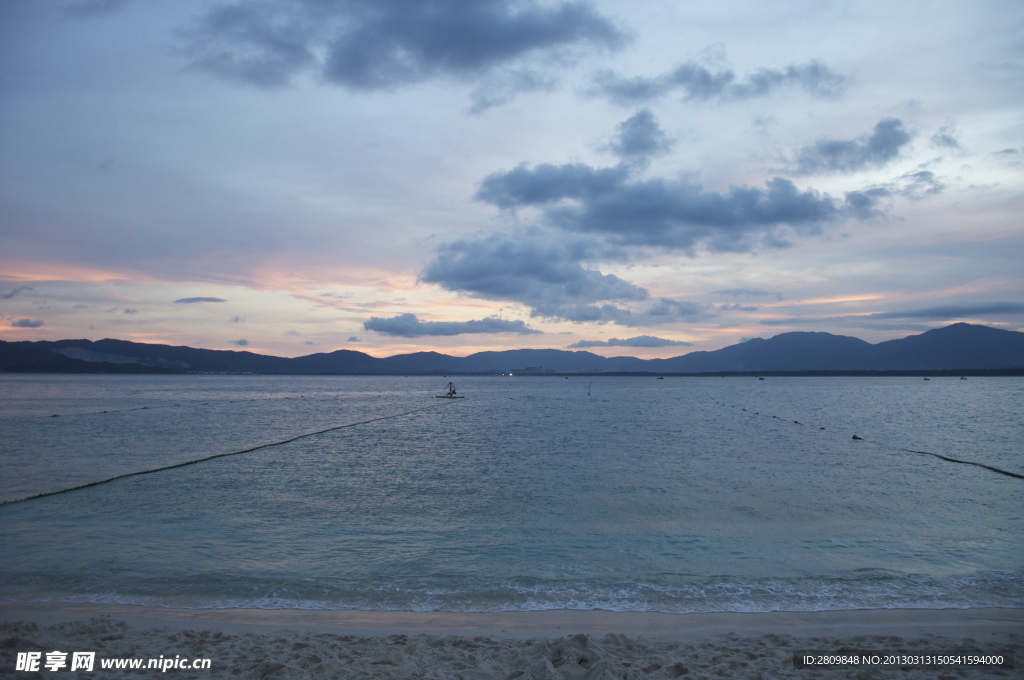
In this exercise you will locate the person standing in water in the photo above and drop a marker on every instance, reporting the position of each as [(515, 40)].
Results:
[(451, 389)]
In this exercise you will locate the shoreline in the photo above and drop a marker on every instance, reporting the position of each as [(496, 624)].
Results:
[(542, 645), (545, 623)]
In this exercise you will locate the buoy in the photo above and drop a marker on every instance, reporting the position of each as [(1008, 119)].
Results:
[(856, 437)]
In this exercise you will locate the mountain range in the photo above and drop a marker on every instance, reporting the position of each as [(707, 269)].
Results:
[(958, 347)]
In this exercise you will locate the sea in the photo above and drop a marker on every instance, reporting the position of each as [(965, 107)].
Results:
[(682, 494)]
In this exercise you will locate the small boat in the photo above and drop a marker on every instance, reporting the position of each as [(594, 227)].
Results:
[(451, 393)]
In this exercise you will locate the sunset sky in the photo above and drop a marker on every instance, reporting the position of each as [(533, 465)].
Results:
[(636, 177)]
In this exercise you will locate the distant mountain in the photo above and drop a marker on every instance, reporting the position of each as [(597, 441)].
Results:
[(958, 347), (798, 351)]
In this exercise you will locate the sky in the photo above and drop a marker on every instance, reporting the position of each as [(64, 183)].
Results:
[(638, 177)]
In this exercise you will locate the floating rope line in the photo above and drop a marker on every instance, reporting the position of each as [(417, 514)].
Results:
[(218, 455), (926, 453), (967, 462)]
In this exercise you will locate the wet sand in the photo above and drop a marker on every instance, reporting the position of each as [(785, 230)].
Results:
[(553, 645)]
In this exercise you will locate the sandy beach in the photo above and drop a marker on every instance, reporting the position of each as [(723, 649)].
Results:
[(549, 645)]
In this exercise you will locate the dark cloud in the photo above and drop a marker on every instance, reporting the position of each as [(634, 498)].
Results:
[(850, 155), (639, 137), (381, 44), (545, 274), (867, 204), (947, 312), (919, 184), (735, 307), (669, 213), (1010, 156), (916, 185), (130, 311), (638, 341), (666, 309), (241, 343), (937, 313), (408, 326), (947, 137), (697, 83), (26, 323), (896, 327), (753, 292), (352, 338), (548, 183), (259, 43), (663, 310), (19, 289), (236, 319), (199, 299), (499, 89)]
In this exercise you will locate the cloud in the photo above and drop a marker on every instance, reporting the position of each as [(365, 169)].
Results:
[(918, 184), (639, 137), (915, 185), (753, 292), (697, 83), (850, 155), (666, 310), (26, 323), (199, 299), (352, 338), (130, 311), (543, 273), (735, 307), (236, 319), (947, 137), (937, 313), (501, 88), (663, 310), (548, 183), (638, 341), (19, 289), (676, 214), (241, 343), (947, 312), (408, 326), (369, 45)]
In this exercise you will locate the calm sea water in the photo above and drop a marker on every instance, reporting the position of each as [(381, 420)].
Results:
[(676, 495)]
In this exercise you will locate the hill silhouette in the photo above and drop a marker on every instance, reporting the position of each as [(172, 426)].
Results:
[(959, 347)]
